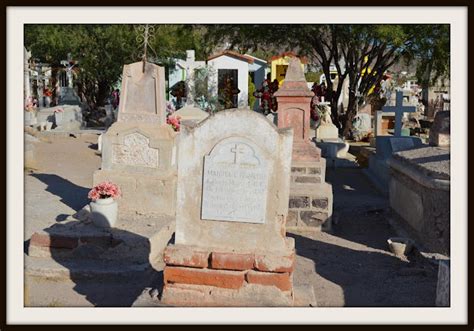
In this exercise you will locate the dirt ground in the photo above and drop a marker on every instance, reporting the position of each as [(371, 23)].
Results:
[(349, 267)]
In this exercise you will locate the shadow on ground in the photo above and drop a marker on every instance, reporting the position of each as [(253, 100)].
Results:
[(107, 271), (370, 278), (72, 195)]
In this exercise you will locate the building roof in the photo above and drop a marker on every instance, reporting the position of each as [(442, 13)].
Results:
[(303, 59), (234, 54)]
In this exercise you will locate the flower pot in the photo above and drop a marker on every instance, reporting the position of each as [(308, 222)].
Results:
[(104, 212)]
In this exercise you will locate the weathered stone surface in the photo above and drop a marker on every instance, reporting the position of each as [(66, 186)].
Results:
[(266, 147), (440, 130), (299, 202), (275, 263), (313, 218), (298, 170), (320, 203), (421, 198), (191, 113), (136, 151), (307, 179), (210, 277), (314, 171), (292, 218), (235, 184), (188, 256), (143, 94), (249, 295), (433, 162)]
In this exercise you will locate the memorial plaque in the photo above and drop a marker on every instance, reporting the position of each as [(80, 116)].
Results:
[(235, 183), (135, 151)]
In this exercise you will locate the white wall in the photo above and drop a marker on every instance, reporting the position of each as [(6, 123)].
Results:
[(227, 62)]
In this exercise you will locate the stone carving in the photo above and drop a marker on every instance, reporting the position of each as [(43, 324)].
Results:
[(136, 151), (235, 183)]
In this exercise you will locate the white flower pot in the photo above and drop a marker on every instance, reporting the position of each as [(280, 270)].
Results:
[(104, 212)]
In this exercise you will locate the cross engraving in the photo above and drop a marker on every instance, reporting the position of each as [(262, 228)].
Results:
[(237, 149), (399, 109)]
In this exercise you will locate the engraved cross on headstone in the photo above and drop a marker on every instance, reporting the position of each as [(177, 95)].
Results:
[(399, 109), (237, 149)]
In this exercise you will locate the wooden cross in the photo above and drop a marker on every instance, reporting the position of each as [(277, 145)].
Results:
[(399, 109)]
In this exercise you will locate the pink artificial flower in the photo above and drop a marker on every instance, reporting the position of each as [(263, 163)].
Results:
[(104, 190), (174, 121)]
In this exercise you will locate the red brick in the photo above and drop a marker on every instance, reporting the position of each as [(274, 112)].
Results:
[(45, 240), (280, 280), (275, 263), (211, 277), (232, 261), (186, 256)]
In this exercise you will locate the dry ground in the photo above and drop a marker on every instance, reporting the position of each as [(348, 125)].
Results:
[(349, 267)]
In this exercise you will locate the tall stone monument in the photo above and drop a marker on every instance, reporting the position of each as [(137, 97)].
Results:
[(230, 244), (310, 196), (139, 151)]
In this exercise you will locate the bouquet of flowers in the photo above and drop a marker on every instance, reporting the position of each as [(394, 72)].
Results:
[(104, 190), (174, 121), (30, 105)]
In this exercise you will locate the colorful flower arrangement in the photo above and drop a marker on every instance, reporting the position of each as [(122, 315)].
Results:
[(47, 92), (174, 121), (104, 190), (30, 105)]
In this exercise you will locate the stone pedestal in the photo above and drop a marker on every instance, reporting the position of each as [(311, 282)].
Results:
[(308, 168)]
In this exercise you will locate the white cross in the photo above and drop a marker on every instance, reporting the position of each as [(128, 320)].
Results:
[(399, 109), (189, 66), (237, 149)]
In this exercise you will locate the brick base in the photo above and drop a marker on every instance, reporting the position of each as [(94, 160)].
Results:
[(196, 276)]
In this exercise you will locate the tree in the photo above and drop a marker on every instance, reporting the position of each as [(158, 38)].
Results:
[(103, 49), (361, 53)]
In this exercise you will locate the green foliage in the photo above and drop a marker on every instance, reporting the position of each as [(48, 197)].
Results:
[(103, 49), (313, 76), (251, 89)]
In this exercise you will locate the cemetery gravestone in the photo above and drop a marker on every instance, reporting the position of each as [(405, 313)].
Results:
[(379, 170), (138, 151), (310, 196), (232, 201), (440, 131)]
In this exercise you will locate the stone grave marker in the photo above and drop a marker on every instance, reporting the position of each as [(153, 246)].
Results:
[(310, 196), (230, 245), (139, 151), (143, 94)]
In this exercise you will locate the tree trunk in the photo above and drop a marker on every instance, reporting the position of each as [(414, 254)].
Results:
[(102, 93), (350, 114)]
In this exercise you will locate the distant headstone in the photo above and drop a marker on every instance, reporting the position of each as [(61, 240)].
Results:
[(440, 130), (143, 94), (68, 96), (232, 203)]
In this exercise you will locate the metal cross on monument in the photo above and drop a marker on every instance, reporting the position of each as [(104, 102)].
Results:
[(399, 109)]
